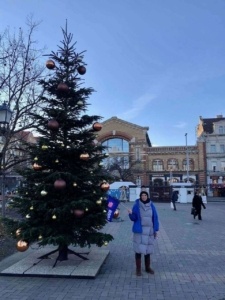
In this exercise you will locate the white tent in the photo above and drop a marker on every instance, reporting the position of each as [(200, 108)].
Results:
[(118, 184)]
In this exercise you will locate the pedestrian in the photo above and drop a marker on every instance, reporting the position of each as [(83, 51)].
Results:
[(145, 228), (197, 203), (174, 199)]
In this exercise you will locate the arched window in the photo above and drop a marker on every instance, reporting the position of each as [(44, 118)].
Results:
[(157, 165), (191, 165), (172, 164), (118, 150), (115, 145)]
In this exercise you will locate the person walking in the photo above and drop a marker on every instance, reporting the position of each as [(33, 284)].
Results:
[(174, 199), (145, 228), (197, 203)]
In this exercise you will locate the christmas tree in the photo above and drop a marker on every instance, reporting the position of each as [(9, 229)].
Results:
[(62, 198)]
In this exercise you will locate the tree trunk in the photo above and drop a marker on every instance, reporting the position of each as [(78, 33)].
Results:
[(63, 253)]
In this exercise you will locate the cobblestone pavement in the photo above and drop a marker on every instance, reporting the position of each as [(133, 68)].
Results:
[(189, 263)]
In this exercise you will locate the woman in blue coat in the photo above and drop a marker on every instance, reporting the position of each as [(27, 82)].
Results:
[(145, 227)]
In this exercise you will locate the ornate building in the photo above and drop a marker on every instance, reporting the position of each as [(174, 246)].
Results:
[(154, 167), (211, 132)]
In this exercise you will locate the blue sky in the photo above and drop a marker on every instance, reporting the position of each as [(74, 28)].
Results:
[(155, 63)]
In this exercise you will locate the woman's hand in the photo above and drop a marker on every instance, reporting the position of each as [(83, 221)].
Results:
[(155, 235), (129, 211)]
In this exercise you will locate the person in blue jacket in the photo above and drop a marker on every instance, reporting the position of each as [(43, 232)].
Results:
[(145, 228)]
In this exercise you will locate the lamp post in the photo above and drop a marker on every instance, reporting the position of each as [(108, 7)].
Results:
[(5, 117), (187, 159)]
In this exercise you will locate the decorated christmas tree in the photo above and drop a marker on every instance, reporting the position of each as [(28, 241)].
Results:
[(62, 197)]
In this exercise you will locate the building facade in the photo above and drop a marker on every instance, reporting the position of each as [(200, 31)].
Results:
[(211, 132), (154, 167)]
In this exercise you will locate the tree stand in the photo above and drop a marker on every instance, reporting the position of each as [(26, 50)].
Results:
[(63, 254)]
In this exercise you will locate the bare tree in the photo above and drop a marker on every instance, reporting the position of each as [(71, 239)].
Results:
[(19, 74)]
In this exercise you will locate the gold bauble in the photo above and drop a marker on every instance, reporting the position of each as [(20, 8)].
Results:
[(116, 214), (84, 156), (43, 193), (50, 64), (36, 167), (44, 147), (18, 232), (22, 246), (105, 186), (97, 126)]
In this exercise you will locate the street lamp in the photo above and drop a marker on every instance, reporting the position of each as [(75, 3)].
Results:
[(5, 117), (187, 159)]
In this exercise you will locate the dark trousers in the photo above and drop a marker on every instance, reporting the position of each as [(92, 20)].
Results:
[(174, 205), (198, 214)]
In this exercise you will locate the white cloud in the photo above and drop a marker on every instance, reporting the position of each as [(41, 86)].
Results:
[(137, 106), (180, 125)]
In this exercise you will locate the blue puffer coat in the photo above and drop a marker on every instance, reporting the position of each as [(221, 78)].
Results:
[(136, 218)]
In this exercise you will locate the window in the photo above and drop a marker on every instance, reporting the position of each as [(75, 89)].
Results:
[(190, 166), (222, 166), (214, 166), (220, 129), (222, 148), (116, 145), (212, 148), (157, 165), (172, 164), (137, 153)]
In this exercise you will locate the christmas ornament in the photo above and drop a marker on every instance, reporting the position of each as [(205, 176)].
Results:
[(100, 164), (44, 147), (57, 161), (99, 202), (59, 184), (28, 216), (105, 243), (104, 186), (22, 246), (74, 184), (43, 193), (86, 209), (78, 212), (18, 232), (81, 70), (31, 208), (62, 88), (50, 64), (116, 214), (40, 237), (84, 156), (36, 167), (80, 103), (36, 158), (53, 125), (97, 126), (54, 217)]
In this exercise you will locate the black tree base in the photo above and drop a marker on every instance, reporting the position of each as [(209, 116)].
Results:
[(63, 254)]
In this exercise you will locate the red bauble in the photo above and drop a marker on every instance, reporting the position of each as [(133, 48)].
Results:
[(62, 88), (53, 124), (50, 64), (81, 70), (116, 214), (60, 184), (78, 212), (105, 186), (97, 126)]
